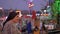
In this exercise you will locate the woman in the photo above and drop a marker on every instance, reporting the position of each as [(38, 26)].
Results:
[(36, 30), (10, 25), (37, 22), (29, 29), (44, 29)]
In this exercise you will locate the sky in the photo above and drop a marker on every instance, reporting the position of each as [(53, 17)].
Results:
[(22, 4)]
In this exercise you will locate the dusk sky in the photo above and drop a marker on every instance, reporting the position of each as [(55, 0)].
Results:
[(22, 4)]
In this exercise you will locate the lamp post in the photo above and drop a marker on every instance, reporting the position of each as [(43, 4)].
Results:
[(30, 6)]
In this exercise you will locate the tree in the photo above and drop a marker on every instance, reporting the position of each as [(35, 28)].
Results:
[(56, 8)]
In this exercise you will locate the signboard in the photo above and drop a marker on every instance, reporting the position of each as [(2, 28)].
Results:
[(50, 27)]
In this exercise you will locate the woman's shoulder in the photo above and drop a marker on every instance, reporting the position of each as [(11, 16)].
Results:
[(8, 24)]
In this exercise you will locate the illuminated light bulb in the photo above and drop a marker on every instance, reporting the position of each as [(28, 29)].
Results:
[(31, 5), (44, 10)]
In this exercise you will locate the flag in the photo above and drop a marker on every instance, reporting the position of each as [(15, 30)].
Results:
[(33, 14)]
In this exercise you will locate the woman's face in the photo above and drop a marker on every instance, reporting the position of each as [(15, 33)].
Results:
[(16, 18)]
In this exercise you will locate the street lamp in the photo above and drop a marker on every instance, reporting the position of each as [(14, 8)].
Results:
[(30, 5)]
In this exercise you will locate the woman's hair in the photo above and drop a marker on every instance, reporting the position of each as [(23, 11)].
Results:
[(10, 17)]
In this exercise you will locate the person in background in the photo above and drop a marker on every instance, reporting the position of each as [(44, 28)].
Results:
[(10, 10), (37, 25), (44, 29), (9, 26), (40, 25), (0, 28), (29, 27), (24, 31), (36, 30), (37, 22)]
